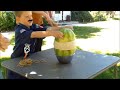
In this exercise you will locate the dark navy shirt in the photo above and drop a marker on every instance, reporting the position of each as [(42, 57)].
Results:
[(22, 37)]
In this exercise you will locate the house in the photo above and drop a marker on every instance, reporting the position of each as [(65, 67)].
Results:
[(61, 15), (58, 15)]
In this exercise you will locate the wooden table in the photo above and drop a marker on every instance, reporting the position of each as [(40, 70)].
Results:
[(85, 65)]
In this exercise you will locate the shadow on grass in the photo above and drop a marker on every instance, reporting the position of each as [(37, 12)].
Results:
[(86, 31)]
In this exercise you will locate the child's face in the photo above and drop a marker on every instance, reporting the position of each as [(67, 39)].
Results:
[(26, 18)]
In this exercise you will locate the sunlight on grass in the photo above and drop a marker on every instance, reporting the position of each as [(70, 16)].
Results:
[(12, 39), (114, 54), (43, 42), (86, 31), (78, 48)]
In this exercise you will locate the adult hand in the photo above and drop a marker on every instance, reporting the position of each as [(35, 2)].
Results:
[(4, 43), (71, 27), (51, 22)]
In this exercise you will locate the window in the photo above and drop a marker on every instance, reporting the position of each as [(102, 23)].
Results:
[(57, 12)]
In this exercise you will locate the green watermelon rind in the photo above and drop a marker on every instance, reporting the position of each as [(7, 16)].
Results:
[(64, 52), (68, 37)]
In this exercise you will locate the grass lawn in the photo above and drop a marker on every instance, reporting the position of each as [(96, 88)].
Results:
[(86, 31), (3, 70), (12, 40), (82, 32)]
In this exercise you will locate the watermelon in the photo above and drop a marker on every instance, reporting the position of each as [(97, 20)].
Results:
[(65, 47)]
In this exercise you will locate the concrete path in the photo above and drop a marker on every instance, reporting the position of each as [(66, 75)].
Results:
[(108, 40)]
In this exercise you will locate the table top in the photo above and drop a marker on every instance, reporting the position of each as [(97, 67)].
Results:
[(84, 65)]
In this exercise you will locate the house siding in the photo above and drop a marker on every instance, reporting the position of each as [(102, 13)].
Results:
[(58, 17)]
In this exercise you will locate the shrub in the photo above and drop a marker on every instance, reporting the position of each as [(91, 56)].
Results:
[(99, 15), (81, 16), (7, 21)]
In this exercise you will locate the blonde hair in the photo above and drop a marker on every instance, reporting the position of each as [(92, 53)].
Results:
[(18, 13)]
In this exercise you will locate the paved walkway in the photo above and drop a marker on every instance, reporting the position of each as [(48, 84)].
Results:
[(105, 41), (108, 40)]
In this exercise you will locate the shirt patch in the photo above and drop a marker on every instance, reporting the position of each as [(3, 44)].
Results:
[(37, 26), (22, 30)]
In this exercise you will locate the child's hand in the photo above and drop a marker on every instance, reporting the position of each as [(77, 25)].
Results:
[(56, 34), (51, 22), (55, 24)]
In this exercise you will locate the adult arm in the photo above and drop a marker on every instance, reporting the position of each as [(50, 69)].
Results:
[(47, 17), (4, 42)]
